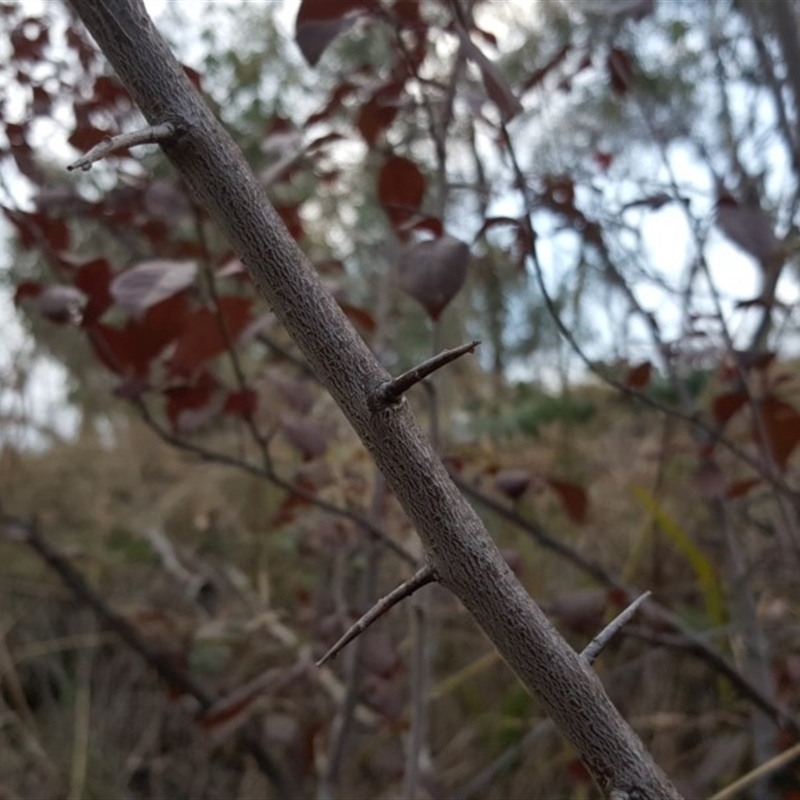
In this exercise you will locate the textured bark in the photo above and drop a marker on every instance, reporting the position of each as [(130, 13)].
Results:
[(457, 544)]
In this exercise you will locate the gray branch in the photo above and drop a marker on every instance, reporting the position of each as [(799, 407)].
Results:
[(458, 547)]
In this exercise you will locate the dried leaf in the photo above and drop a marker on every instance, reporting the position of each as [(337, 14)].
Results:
[(147, 284), (433, 272), (319, 22), (401, 187)]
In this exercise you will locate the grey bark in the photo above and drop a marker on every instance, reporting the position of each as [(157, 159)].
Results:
[(457, 545)]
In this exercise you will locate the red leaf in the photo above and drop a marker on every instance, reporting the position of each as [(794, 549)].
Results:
[(378, 113), (110, 92), (401, 187), (781, 424), (123, 350), (319, 22), (85, 137), (241, 404), (359, 316), (433, 272), (149, 283), (573, 498), (291, 219), (191, 406), (93, 280), (741, 488), (27, 289), (202, 338), (639, 376), (726, 405)]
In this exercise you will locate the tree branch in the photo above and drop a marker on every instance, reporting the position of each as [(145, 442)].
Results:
[(458, 547)]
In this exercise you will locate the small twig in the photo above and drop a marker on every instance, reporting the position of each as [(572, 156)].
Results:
[(419, 579), (596, 646), (478, 785), (153, 134), (214, 457), (390, 392), (761, 771)]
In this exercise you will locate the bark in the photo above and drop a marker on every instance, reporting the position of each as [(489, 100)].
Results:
[(458, 547)]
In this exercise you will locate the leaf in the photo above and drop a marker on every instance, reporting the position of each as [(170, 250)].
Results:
[(741, 488), (572, 497), (359, 316), (401, 187), (319, 22), (378, 113), (433, 272), (94, 279), (202, 338), (639, 376), (241, 404), (190, 407), (727, 404), (781, 424), (512, 482), (147, 284)]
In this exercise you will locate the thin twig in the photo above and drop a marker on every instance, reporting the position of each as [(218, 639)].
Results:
[(713, 433), (153, 134), (479, 783), (419, 579), (596, 646), (761, 771), (390, 392), (212, 456), (683, 639)]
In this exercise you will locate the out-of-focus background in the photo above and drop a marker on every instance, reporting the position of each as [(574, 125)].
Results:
[(604, 193)]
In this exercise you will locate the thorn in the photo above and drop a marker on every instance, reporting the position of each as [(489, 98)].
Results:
[(390, 392), (595, 647), (153, 134), (419, 579)]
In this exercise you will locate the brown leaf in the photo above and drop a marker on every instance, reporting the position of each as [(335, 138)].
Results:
[(319, 22), (401, 187), (727, 404), (573, 498), (433, 272), (781, 424), (639, 376)]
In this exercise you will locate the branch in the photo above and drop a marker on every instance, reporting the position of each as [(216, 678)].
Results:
[(391, 392), (14, 529), (458, 546), (419, 579), (154, 134), (598, 644)]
